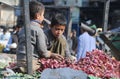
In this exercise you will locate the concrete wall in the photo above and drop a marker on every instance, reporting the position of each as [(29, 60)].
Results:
[(7, 16)]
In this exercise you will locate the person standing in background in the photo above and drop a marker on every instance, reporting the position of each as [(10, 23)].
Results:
[(86, 42), (5, 36), (11, 46), (70, 42), (74, 41)]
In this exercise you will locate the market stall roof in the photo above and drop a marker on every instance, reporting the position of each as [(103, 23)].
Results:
[(10, 2), (4, 4), (103, 0)]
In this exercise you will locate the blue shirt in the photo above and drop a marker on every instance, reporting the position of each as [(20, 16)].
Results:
[(8, 44), (4, 38), (85, 43)]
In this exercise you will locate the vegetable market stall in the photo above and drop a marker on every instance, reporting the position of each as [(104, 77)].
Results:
[(96, 64)]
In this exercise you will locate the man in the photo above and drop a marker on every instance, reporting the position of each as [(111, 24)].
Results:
[(39, 48), (86, 42), (75, 41), (11, 46)]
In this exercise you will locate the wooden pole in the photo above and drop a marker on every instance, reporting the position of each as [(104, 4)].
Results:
[(28, 36), (106, 14)]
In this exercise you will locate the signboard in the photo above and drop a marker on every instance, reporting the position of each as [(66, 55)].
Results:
[(17, 11), (75, 14)]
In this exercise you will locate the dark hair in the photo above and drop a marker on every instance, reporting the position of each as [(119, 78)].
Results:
[(20, 24), (5, 29), (58, 19), (92, 34), (35, 7)]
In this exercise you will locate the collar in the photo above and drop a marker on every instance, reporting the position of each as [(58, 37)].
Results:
[(36, 21)]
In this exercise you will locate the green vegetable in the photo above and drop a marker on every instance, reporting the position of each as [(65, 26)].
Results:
[(36, 75), (93, 77), (2, 65)]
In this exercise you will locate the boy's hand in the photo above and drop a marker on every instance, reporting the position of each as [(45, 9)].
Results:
[(57, 56)]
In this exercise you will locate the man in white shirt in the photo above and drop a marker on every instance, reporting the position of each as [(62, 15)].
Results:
[(86, 43)]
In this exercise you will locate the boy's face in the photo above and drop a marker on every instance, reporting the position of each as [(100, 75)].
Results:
[(58, 30), (40, 17)]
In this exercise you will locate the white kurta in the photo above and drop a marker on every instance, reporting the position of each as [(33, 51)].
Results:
[(85, 43)]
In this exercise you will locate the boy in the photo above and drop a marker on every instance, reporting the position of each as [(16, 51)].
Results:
[(56, 41), (39, 48)]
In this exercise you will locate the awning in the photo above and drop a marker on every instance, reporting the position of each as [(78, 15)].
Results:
[(103, 0)]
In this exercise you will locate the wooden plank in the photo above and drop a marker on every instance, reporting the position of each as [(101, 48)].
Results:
[(106, 14), (27, 36)]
